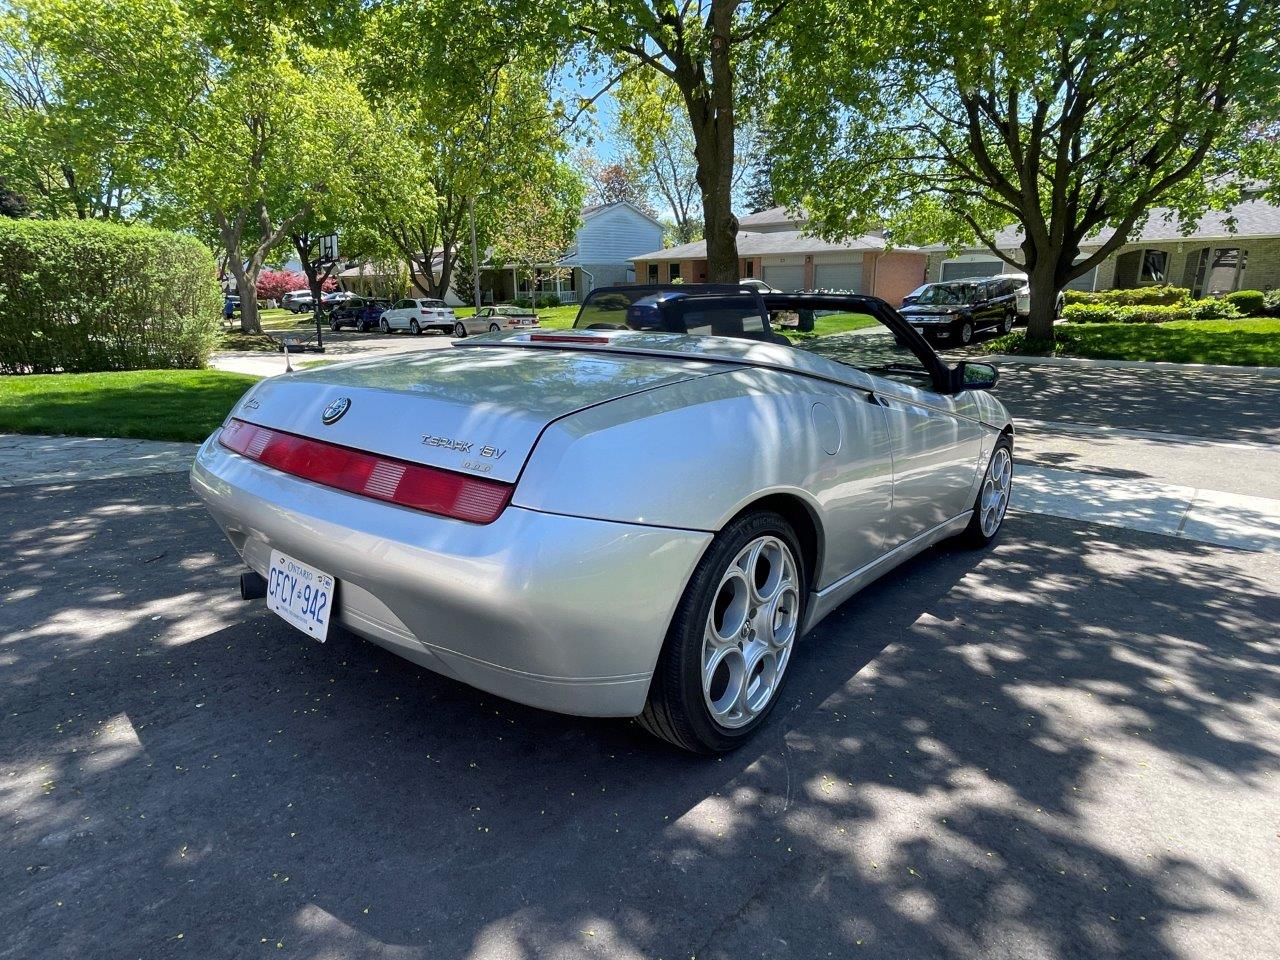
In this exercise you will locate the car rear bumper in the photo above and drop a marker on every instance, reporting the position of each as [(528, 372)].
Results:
[(563, 613)]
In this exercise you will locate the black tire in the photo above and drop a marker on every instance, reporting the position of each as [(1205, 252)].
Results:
[(414, 328), (335, 326), (964, 333), (494, 328), (459, 330), (386, 327), (676, 710), (973, 536), (1010, 316)]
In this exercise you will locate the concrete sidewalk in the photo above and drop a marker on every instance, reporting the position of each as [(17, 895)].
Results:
[(1189, 513), (31, 460)]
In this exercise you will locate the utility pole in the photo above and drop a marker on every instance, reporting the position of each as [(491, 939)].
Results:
[(475, 253)]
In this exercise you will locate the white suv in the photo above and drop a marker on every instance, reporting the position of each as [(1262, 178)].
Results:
[(418, 315), (296, 300)]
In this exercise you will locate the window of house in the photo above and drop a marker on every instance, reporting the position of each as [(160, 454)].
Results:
[(1154, 267), (653, 273), (673, 271), (1219, 270), (750, 270)]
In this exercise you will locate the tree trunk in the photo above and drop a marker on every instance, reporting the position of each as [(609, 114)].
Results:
[(1043, 278), (302, 246), (709, 101), (247, 288)]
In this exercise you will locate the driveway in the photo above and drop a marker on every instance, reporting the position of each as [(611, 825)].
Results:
[(1065, 746)]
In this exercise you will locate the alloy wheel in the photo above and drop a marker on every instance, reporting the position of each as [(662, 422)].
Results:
[(459, 330), (750, 631), (993, 501), (966, 333)]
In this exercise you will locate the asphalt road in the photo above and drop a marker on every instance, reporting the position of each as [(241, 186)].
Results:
[(1066, 746)]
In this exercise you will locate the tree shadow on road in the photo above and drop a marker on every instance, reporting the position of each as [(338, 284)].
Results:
[(985, 753)]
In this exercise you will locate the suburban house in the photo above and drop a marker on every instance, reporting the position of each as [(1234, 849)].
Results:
[(1237, 249), (609, 236), (773, 247)]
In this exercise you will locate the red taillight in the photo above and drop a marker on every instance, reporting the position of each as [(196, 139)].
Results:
[(382, 478)]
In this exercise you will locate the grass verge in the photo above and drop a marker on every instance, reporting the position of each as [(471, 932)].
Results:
[(1252, 342), (827, 324), (141, 404)]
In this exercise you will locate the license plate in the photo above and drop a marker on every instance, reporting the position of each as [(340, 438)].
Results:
[(918, 329), (526, 323), (300, 594)]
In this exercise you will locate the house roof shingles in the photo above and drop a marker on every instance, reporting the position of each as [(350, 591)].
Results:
[(764, 244), (1253, 218)]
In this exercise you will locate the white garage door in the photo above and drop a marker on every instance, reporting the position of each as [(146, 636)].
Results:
[(845, 276), (786, 277), (959, 269), (1085, 282)]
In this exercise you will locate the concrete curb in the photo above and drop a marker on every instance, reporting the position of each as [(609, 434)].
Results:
[(1268, 372)]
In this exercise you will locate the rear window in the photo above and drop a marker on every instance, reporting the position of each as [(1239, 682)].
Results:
[(433, 303), (608, 310)]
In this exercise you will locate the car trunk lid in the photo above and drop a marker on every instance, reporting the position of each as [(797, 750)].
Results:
[(478, 412)]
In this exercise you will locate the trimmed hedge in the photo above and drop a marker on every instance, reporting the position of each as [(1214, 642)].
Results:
[(1210, 309), (1251, 303), (79, 296), (1271, 303), (1136, 297)]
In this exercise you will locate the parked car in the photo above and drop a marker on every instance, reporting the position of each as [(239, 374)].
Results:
[(957, 311), (417, 315), (495, 319), (362, 313), (636, 517), (296, 301), (1024, 296)]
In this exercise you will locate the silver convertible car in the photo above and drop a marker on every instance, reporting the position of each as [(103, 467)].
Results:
[(639, 517)]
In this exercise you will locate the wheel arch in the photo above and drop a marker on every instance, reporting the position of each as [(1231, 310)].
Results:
[(804, 521)]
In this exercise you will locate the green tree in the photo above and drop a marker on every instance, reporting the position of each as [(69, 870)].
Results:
[(715, 54), (1068, 118), (91, 95), (474, 127), (270, 151), (533, 232)]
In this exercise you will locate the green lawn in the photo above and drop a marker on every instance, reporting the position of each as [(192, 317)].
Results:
[(145, 404), (1253, 342), (827, 324)]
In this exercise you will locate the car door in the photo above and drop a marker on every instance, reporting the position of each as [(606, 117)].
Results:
[(398, 318), (936, 448)]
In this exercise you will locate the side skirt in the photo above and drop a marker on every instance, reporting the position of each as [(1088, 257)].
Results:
[(822, 602)]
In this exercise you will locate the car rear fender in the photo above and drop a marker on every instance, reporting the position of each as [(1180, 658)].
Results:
[(695, 454)]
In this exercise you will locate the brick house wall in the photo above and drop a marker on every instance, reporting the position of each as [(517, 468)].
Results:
[(896, 273)]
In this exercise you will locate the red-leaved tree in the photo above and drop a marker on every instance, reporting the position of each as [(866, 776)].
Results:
[(274, 284)]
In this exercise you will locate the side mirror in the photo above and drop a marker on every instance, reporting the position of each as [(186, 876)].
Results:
[(975, 375)]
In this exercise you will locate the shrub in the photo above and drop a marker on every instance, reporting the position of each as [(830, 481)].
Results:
[(551, 300), (1213, 308), (522, 302), (77, 296), (1251, 303), (1138, 296), (1271, 303), (1209, 309)]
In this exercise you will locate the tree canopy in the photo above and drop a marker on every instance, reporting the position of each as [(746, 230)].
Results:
[(1068, 119)]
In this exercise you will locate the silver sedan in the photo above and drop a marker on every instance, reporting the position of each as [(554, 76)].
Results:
[(639, 517)]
